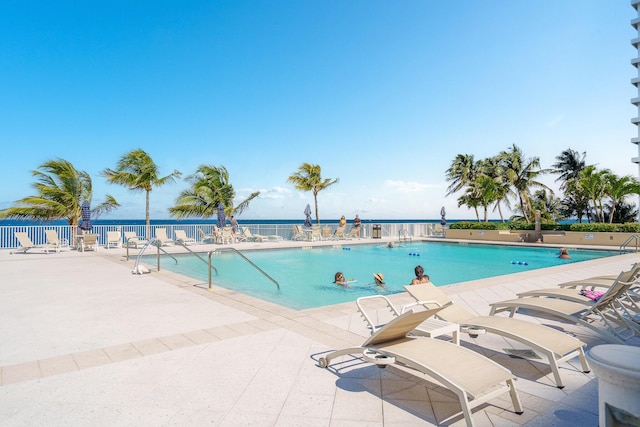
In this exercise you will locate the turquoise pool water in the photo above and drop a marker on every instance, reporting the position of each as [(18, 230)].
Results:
[(306, 275)]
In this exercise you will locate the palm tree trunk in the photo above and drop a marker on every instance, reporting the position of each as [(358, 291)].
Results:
[(315, 201), (147, 218), (500, 211)]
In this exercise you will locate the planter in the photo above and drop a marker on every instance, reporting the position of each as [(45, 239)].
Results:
[(587, 238), (492, 235), (560, 238)]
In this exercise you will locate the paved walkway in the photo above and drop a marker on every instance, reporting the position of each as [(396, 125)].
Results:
[(87, 343)]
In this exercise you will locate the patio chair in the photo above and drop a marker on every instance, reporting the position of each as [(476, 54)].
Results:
[(207, 238), (474, 378), (89, 242), (354, 233), (181, 237), (603, 317), (326, 233), (162, 238), (339, 232), (54, 242), (26, 244), (298, 234), (316, 232), (132, 240), (557, 346), (114, 240)]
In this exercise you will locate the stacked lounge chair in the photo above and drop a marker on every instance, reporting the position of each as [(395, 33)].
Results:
[(605, 316)]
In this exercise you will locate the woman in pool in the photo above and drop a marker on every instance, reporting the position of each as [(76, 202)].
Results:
[(420, 276), (340, 280), (564, 253)]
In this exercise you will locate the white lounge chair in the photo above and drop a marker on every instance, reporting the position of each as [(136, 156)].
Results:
[(132, 240), (253, 237), (207, 238), (573, 294), (114, 240), (181, 237), (602, 316), (53, 241), (27, 244), (599, 281), (557, 346), (162, 238), (475, 379)]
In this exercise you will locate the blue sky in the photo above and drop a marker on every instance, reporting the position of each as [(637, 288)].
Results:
[(382, 95)]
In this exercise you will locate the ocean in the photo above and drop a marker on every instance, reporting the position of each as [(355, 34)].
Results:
[(213, 220)]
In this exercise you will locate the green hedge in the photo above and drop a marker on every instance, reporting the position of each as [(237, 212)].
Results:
[(630, 227)]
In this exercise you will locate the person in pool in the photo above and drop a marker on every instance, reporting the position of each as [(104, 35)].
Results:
[(420, 276), (379, 279), (340, 280), (564, 253)]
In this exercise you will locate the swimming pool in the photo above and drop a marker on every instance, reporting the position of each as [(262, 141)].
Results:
[(305, 275)]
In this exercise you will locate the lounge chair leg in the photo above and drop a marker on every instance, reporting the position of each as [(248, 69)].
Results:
[(553, 363), (583, 360), (517, 406), (466, 411)]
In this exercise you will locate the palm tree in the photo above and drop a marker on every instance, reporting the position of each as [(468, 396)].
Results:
[(483, 191), (593, 183), (137, 171), (575, 202), (61, 189), (470, 200), (501, 191), (618, 188), (309, 178), (521, 173), (210, 186), (462, 172), (548, 205), (568, 166)]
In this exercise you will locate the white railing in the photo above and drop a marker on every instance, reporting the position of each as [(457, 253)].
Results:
[(65, 232)]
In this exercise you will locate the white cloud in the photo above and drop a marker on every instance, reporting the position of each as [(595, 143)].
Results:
[(407, 186), (275, 193)]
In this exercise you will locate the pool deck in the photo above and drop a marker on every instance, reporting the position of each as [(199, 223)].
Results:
[(87, 343)]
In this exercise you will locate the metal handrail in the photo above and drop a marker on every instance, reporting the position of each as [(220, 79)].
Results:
[(243, 257), (635, 237)]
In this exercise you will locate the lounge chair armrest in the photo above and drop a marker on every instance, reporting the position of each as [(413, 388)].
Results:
[(423, 303)]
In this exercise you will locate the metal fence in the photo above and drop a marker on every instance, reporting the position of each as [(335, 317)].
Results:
[(67, 233)]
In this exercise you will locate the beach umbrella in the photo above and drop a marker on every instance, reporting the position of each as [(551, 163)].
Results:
[(222, 219), (85, 212), (307, 212), (443, 221)]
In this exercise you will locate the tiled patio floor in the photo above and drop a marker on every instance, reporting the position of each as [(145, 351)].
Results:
[(85, 342)]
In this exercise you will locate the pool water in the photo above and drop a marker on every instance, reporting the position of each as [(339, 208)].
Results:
[(305, 275)]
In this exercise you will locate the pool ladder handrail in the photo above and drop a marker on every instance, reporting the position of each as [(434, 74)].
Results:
[(241, 256), (635, 237), (151, 242)]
